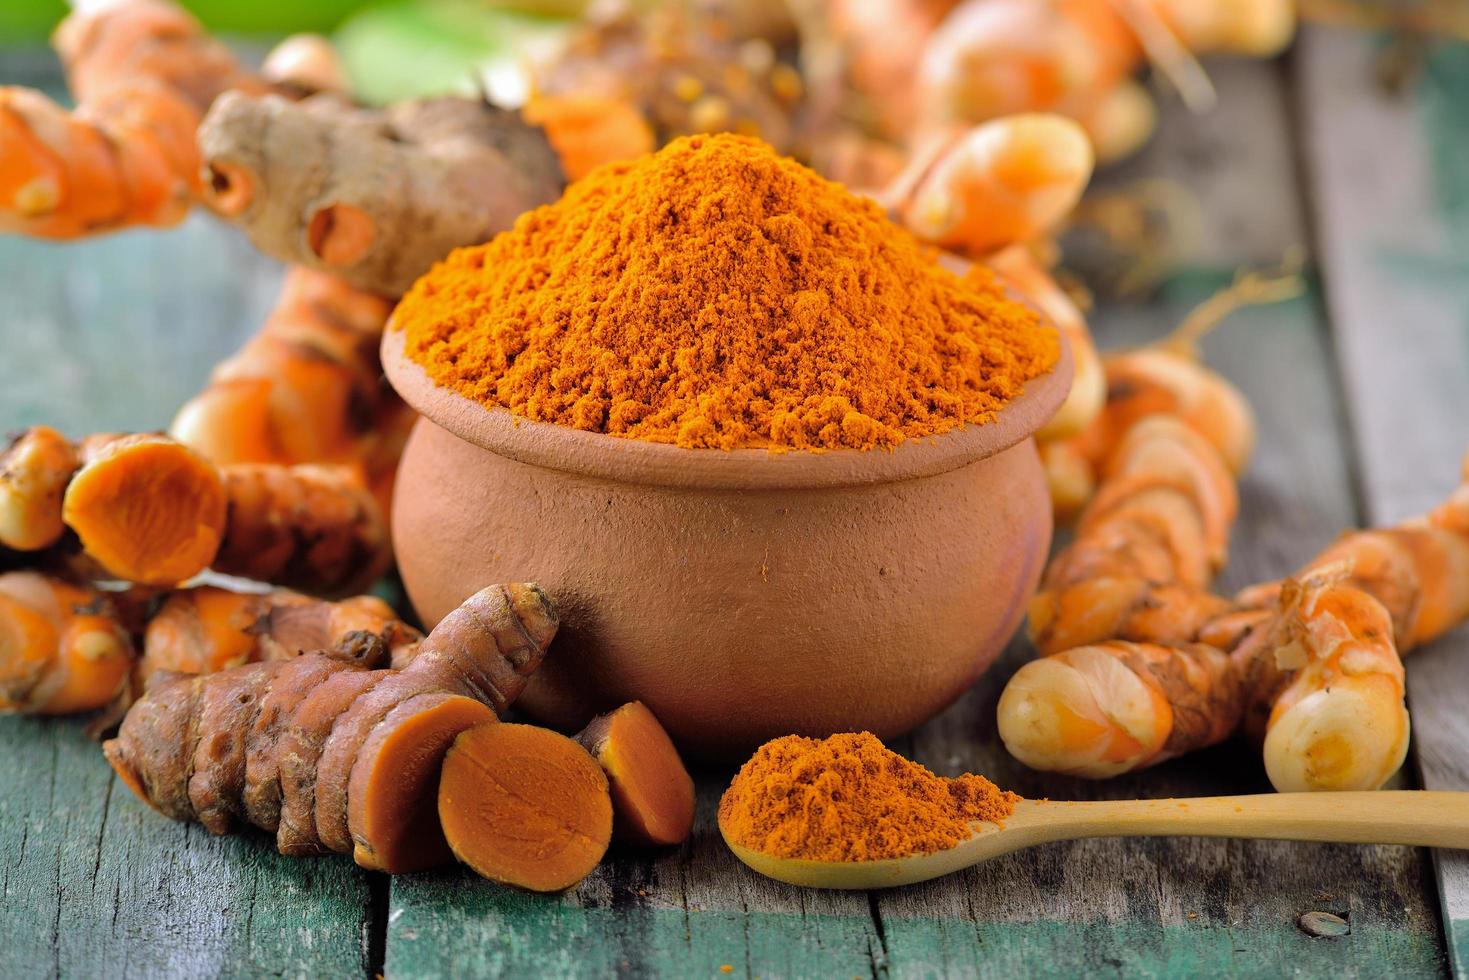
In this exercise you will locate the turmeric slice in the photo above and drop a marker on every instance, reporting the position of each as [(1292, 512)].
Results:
[(34, 473), (62, 647), (524, 806), (392, 800), (146, 508), (652, 792)]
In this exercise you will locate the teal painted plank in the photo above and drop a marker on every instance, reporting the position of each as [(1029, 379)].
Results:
[(1392, 196), (95, 884), (681, 913)]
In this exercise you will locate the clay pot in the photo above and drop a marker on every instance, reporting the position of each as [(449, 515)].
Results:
[(740, 595)]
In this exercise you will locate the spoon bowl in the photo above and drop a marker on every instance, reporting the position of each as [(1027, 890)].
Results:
[(1428, 819)]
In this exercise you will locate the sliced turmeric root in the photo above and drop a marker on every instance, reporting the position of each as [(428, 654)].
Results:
[(228, 704), (392, 797), (652, 792), (147, 509), (525, 806)]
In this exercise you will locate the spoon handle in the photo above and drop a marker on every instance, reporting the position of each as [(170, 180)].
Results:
[(1425, 818)]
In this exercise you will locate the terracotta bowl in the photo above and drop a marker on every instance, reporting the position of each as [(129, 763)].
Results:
[(740, 595)]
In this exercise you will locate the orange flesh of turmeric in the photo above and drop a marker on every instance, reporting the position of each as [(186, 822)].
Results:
[(652, 792), (392, 797), (148, 510), (525, 806)]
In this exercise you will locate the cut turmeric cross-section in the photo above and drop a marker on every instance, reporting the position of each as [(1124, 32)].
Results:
[(524, 806)]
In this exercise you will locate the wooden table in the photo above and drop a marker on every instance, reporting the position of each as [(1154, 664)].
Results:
[(1363, 391)]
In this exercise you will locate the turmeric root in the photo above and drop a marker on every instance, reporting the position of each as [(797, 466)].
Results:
[(587, 130), (306, 389), (149, 510), (1318, 658), (142, 73), (34, 473), (1009, 180), (1019, 268), (316, 528), (372, 196), (313, 745), (1114, 707), (652, 792), (62, 649), (146, 508), (207, 629), (524, 806)]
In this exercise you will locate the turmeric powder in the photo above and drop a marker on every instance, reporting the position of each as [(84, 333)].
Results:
[(715, 295), (850, 798)]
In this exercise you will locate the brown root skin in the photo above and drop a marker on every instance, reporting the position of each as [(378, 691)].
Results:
[(294, 681), (491, 644), (393, 794), (300, 749), (34, 473), (63, 649), (153, 752), (524, 806), (373, 196), (652, 792), (146, 508), (228, 705), (313, 528)]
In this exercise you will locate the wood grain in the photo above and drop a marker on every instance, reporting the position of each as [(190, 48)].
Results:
[(1391, 192)]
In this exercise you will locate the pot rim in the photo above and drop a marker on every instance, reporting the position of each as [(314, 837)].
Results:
[(623, 460)]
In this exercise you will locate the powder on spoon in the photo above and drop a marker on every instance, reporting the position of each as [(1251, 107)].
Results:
[(850, 798), (716, 295)]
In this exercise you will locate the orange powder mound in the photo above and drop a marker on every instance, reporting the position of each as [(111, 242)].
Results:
[(716, 295), (850, 798)]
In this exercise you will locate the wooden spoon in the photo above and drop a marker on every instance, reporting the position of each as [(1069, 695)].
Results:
[(1430, 819)]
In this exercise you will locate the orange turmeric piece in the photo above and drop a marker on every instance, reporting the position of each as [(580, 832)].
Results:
[(525, 806), (652, 792), (393, 796), (850, 798), (62, 649), (588, 130), (34, 473), (142, 73), (716, 295), (316, 528), (208, 629), (306, 389), (146, 508)]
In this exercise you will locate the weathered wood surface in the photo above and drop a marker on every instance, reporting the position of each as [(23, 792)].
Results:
[(1390, 177), (114, 334)]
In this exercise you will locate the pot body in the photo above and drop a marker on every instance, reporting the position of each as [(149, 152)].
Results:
[(735, 615)]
